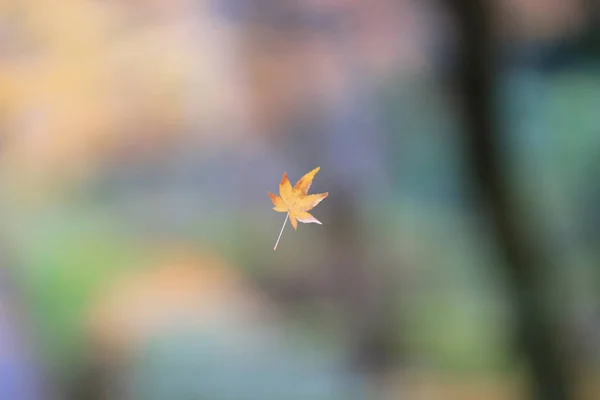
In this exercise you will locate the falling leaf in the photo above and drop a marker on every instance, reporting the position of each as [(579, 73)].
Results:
[(296, 202)]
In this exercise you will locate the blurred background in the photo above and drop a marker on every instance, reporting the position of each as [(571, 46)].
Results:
[(138, 139)]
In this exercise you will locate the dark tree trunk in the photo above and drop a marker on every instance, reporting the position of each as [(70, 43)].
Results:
[(537, 336)]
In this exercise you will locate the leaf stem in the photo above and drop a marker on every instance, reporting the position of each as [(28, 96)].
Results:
[(281, 231)]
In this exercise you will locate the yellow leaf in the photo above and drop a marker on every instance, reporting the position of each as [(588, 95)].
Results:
[(296, 201), (304, 183)]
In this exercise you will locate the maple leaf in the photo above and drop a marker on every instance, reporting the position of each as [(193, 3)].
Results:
[(296, 202)]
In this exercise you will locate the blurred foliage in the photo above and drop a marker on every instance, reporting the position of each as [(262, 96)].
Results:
[(97, 102)]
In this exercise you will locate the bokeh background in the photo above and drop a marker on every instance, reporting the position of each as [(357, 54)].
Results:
[(138, 139)]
